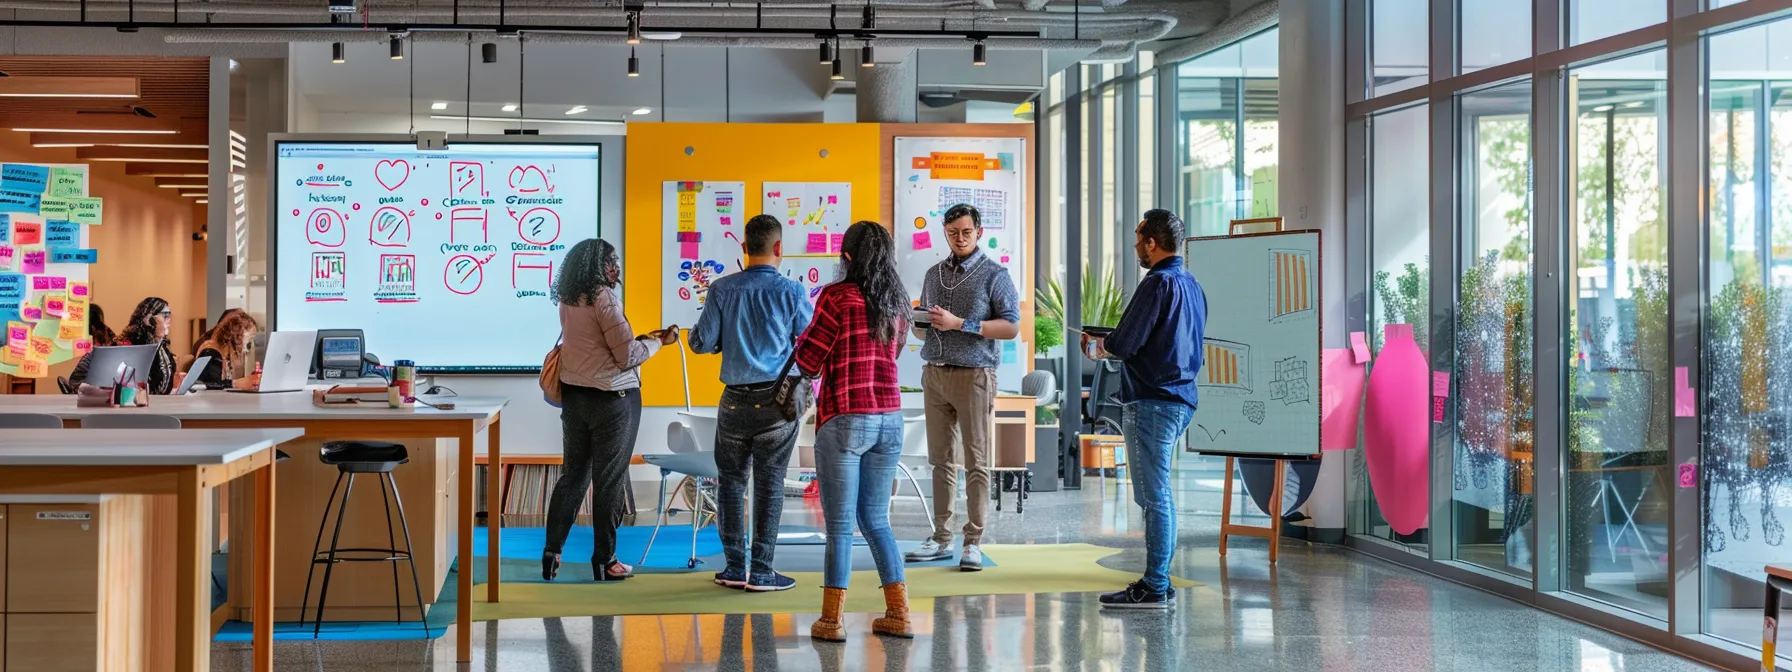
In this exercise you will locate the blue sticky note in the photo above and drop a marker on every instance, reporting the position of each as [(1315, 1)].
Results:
[(5, 229), (24, 178), (18, 201), (75, 256), (1007, 159), (1010, 353), (62, 235), (12, 288)]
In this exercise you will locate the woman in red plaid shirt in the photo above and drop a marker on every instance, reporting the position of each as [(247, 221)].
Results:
[(852, 346)]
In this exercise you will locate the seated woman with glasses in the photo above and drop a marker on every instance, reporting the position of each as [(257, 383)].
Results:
[(148, 326)]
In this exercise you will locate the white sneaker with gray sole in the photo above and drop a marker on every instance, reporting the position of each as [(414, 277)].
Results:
[(972, 560), (930, 551)]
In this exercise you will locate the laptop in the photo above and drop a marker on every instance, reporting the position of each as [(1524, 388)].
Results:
[(186, 384), (285, 362), (109, 361)]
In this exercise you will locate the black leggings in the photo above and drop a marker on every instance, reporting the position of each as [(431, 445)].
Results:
[(598, 429)]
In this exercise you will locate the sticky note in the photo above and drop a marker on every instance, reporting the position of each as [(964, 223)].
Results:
[(1010, 352), (83, 346), (1689, 476), (69, 330), (5, 228), (1359, 347), (24, 178), (39, 349), (75, 256), (53, 208), (1004, 260), (688, 250), (689, 237), (833, 199), (923, 240), (12, 288), (1340, 399), (78, 290), (31, 312), (1685, 404), (1440, 383), (44, 283), (66, 182), (836, 242), (27, 233), (818, 244), (89, 211), (32, 260), (33, 369), (60, 234), (55, 304), (19, 201), (1437, 408), (726, 220), (9, 257)]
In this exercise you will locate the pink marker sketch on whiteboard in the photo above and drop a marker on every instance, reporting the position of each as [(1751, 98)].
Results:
[(529, 180), (389, 227), (539, 226), (326, 227), (533, 269), (471, 217), (466, 179)]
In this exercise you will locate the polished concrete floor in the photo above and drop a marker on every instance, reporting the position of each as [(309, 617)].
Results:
[(1323, 608)]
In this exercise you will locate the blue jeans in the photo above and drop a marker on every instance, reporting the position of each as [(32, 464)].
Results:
[(855, 461), (1153, 428), (752, 437)]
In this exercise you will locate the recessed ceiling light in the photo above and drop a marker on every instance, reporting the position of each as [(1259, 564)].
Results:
[(540, 120), (168, 131), (438, 106), (202, 201), (510, 108), (643, 110), (61, 144), (1634, 103), (1603, 108), (576, 109)]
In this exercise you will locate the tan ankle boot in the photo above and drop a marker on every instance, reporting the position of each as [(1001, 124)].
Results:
[(829, 628), (895, 620)]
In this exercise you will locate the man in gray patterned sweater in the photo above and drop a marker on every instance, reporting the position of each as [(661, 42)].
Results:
[(971, 303)]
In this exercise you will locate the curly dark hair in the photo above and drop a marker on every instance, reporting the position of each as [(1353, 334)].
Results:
[(591, 264), (868, 260), (142, 328), (101, 334)]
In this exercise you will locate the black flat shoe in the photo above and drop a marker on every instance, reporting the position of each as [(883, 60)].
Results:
[(550, 566), (611, 571)]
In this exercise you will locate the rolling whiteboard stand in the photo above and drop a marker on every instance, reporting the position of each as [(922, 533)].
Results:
[(1260, 381)]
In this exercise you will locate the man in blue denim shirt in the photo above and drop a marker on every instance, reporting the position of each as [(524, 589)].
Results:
[(753, 319), (1159, 341)]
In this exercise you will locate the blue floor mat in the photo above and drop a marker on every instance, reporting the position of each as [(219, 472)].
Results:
[(670, 551)]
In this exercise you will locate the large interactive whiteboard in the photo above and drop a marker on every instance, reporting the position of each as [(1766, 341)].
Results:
[(1260, 381), (444, 257)]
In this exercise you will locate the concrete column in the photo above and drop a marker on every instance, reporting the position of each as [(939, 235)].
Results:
[(1311, 186), (887, 93)]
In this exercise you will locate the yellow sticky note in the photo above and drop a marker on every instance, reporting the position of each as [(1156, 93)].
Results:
[(78, 290), (39, 349), (68, 330), (34, 369)]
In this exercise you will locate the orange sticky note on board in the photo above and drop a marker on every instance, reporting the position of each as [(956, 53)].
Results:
[(27, 233), (69, 330), (34, 369), (39, 349)]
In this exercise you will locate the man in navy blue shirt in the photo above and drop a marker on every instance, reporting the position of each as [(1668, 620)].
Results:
[(1159, 341), (753, 318)]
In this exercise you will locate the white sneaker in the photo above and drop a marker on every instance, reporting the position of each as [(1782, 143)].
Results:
[(930, 551), (972, 560)]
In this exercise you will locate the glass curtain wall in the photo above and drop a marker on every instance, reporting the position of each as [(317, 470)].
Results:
[(1622, 287), (1226, 107), (1492, 485)]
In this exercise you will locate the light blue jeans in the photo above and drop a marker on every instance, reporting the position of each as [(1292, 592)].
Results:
[(855, 461), (1153, 429)]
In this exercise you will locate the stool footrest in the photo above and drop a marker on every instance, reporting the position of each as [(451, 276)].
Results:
[(391, 555)]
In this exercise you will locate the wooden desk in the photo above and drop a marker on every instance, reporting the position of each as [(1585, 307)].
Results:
[(182, 463), (1012, 439), (471, 418)]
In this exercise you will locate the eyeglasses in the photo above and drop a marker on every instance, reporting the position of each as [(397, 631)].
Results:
[(961, 233), (165, 313)]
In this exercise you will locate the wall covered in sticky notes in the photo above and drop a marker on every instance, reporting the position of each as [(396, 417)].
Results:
[(844, 157), (44, 260)]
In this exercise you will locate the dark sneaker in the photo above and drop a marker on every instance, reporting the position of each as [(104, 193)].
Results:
[(769, 583), (1137, 596), (732, 578)]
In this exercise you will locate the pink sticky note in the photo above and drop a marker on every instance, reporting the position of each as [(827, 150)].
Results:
[(836, 242), (58, 282), (1438, 404), (83, 346), (77, 289), (1440, 384), (1340, 399), (833, 199), (923, 240), (40, 283), (687, 250), (818, 244), (1359, 347), (1004, 260), (727, 221), (31, 313), (34, 261), (8, 257), (1685, 405), (1689, 475)]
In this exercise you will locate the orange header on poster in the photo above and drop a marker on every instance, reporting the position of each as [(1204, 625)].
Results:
[(955, 165)]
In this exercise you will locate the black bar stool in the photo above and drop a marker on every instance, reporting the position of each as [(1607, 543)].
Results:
[(351, 458)]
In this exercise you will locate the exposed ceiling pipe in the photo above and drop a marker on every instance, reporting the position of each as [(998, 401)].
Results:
[(213, 36)]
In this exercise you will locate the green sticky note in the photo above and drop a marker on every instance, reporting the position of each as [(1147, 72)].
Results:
[(1263, 192), (68, 182), (53, 208), (87, 211)]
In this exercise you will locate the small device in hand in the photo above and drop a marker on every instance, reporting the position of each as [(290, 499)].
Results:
[(922, 318)]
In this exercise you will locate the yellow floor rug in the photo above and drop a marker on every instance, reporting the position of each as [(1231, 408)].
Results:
[(1024, 569)]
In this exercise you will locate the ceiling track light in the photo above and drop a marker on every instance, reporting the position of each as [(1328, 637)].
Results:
[(634, 64), (488, 52), (338, 53), (837, 74), (634, 27), (866, 57), (979, 53), (397, 41), (827, 52)]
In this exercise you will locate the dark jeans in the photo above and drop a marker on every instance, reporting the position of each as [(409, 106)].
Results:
[(751, 437), (598, 431)]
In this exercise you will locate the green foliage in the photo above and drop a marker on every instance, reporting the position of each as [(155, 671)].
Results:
[(1406, 301), (1048, 331), (1102, 300)]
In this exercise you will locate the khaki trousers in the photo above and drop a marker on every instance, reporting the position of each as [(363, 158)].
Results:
[(961, 406)]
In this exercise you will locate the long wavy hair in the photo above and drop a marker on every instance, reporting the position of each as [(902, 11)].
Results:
[(868, 260), (231, 336), (590, 265), (142, 328), (96, 326)]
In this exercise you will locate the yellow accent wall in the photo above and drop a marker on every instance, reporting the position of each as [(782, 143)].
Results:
[(750, 153)]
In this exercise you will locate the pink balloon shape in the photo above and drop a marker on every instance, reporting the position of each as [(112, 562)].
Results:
[(1396, 442)]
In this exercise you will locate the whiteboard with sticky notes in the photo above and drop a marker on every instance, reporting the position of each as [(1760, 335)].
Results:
[(446, 257)]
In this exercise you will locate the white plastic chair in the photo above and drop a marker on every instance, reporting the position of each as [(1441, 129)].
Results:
[(29, 421), (688, 459), (130, 421)]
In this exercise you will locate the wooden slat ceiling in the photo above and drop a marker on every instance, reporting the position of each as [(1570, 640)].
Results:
[(172, 88)]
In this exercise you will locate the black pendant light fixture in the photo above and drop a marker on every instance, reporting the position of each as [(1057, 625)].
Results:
[(634, 64), (488, 52), (634, 27), (827, 52), (866, 57), (397, 41), (338, 53), (979, 54)]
